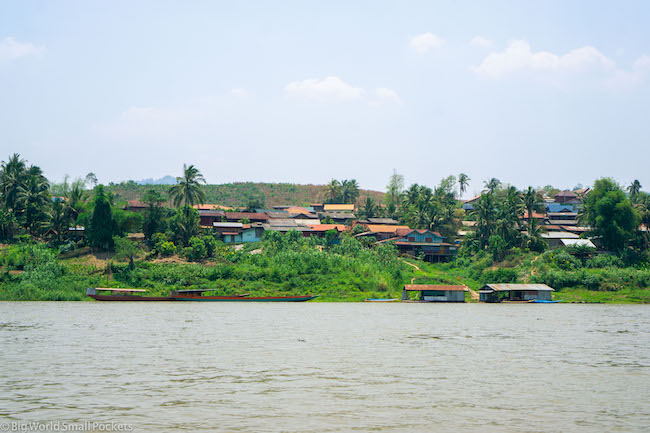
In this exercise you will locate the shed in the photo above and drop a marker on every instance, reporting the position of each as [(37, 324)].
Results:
[(514, 292), (436, 293)]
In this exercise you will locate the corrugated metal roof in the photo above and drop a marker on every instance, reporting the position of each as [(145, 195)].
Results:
[(282, 222), (214, 213), (559, 235), (382, 221), (227, 225), (518, 287), (337, 215), (246, 215), (338, 207), (297, 209), (278, 214), (326, 227), (377, 228), (440, 288), (578, 242)]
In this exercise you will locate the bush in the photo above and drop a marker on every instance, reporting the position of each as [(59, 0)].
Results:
[(500, 275), (166, 248), (197, 250), (210, 245), (562, 260), (605, 261)]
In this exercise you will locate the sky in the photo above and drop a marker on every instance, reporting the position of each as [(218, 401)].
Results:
[(532, 93)]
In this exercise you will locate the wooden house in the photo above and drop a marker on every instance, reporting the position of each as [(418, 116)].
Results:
[(250, 216), (514, 292), (436, 293), (427, 243)]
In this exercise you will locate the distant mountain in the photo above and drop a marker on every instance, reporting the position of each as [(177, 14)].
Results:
[(167, 180)]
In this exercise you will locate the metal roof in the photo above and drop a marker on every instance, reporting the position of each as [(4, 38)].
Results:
[(112, 289), (338, 215), (378, 228), (440, 288), (227, 225), (517, 287), (559, 235), (338, 207), (578, 242), (382, 221), (247, 215)]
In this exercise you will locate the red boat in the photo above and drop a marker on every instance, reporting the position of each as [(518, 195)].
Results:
[(123, 295), (184, 295)]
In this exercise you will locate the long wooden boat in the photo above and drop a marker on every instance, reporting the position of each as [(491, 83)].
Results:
[(380, 300), (115, 294)]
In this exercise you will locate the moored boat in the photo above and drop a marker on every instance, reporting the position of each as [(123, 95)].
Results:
[(379, 300), (116, 294)]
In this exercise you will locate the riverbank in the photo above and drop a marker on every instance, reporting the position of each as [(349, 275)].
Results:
[(342, 274)]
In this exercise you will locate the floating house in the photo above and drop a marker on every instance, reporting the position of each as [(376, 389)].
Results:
[(514, 292), (436, 293)]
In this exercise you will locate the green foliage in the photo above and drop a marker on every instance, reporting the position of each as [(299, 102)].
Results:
[(196, 250), (561, 259), (610, 214), (125, 249), (102, 227), (210, 245), (166, 249), (605, 261), (499, 275)]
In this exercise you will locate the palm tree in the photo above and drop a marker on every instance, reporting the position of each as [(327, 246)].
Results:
[(634, 188), (332, 191), (187, 190), (485, 213), (349, 191), (12, 176), (33, 199), (532, 201), (59, 219), (492, 184), (463, 183), (411, 195), (370, 208), (76, 200)]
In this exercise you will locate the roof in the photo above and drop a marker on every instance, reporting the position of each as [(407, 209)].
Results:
[(278, 214), (423, 231), (112, 289), (286, 229), (227, 225), (303, 215), (473, 199), (566, 194), (230, 233), (518, 287), (297, 209), (137, 203), (468, 223), (382, 221), (564, 222), (535, 216), (282, 222), (338, 215), (559, 235), (338, 207), (576, 229), (214, 213), (211, 207), (440, 288), (437, 244), (578, 242), (378, 228), (326, 227), (246, 215), (563, 214)]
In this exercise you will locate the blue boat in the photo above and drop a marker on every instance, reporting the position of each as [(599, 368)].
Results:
[(541, 301)]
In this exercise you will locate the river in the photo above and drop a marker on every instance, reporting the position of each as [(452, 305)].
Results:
[(326, 367)]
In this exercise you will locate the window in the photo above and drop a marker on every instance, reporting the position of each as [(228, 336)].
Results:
[(428, 240), (411, 239)]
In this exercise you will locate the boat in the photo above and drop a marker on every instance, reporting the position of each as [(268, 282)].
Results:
[(542, 301), (197, 295), (380, 300), (116, 294)]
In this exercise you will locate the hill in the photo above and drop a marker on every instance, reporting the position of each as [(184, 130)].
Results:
[(239, 194)]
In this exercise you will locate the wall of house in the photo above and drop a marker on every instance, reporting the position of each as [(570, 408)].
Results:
[(427, 237)]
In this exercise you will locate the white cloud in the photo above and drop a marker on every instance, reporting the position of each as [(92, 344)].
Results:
[(518, 56), (480, 41), (425, 42), (238, 92), (384, 96), (329, 89), (10, 48)]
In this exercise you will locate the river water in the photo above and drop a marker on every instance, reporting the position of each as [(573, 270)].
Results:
[(327, 367)]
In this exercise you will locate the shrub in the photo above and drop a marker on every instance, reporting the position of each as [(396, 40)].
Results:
[(166, 248), (210, 245), (500, 275), (605, 261), (197, 249)]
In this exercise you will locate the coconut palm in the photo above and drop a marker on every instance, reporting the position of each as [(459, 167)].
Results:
[(33, 199), (332, 191), (634, 188), (187, 190), (12, 176), (349, 191), (370, 209), (492, 184), (463, 183), (59, 219), (533, 202)]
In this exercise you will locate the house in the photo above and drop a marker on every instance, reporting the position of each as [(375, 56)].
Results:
[(276, 214), (339, 207), (562, 218), (207, 206), (427, 243), (469, 204), (136, 206), (250, 216), (337, 217), (317, 207), (251, 234), (320, 229), (565, 196), (378, 221), (209, 217), (436, 293), (384, 232), (555, 239), (305, 219), (514, 292)]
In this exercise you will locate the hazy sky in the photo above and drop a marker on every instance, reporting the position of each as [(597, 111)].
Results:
[(530, 92)]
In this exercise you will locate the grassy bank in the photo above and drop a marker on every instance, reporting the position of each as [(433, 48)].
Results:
[(297, 266)]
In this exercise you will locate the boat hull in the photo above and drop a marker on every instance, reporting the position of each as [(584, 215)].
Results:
[(247, 299), (131, 298)]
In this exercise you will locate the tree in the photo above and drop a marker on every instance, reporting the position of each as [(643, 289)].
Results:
[(185, 225), (12, 174), (59, 220), (332, 191), (533, 202), (610, 215), (463, 183), (634, 188), (102, 227), (394, 189), (370, 209), (492, 184), (33, 199), (349, 191), (91, 179), (154, 221), (126, 250), (187, 190)]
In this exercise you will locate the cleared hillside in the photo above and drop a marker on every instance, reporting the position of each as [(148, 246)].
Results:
[(239, 194)]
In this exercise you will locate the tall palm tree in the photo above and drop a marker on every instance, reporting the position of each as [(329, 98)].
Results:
[(332, 191), (76, 200), (370, 209), (411, 195), (33, 199), (533, 202), (187, 190), (485, 213), (59, 219), (349, 191), (463, 183), (492, 184), (12, 176), (634, 188)]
